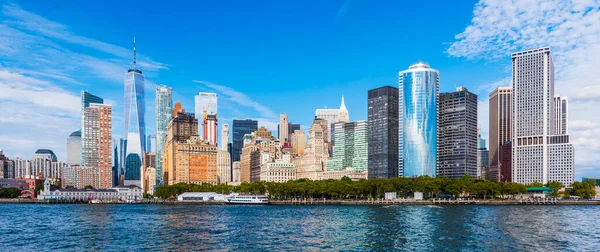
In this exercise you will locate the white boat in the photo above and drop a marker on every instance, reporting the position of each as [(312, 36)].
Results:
[(247, 199)]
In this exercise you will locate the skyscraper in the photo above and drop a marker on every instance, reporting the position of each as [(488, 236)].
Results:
[(135, 126), (561, 115), (418, 91), (86, 100), (500, 128), (206, 104), (298, 142), (74, 148), (457, 134), (97, 149), (115, 168), (333, 115), (151, 144), (224, 137), (538, 154), (283, 129), (350, 150), (482, 155), (164, 110), (383, 132), (209, 125), (240, 128)]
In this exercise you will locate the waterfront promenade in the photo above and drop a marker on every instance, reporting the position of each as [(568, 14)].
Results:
[(304, 202)]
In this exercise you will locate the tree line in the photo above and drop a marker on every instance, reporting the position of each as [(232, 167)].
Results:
[(438, 187)]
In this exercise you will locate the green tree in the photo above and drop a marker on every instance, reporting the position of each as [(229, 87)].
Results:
[(585, 189), (9, 193), (88, 187)]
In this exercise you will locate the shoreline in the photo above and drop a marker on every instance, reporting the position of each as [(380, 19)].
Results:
[(344, 202)]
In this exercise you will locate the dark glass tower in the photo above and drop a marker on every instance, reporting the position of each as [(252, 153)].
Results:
[(457, 134), (383, 132), (240, 128)]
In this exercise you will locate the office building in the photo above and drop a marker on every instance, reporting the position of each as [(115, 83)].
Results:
[(505, 167), (333, 115), (115, 167), (278, 170), (350, 149), (283, 129), (45, 165), (240, 128), (457, 134), (205, 104), (482, 155), (148, 172), (86, 100), (538, 155), (224, 137), (292, 127), (151, 143), (500, 105), (164, 110), (417, 139), (298, 142), (74, 148), (224, 167), (79, 177), (561, 115), (182, 128), (135, 126), (312, 164), (235, 174), (383, 132), (98, 150)]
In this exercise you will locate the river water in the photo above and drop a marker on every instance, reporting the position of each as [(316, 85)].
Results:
[(257, 228)]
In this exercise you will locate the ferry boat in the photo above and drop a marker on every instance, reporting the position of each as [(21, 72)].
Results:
[(247, 199)]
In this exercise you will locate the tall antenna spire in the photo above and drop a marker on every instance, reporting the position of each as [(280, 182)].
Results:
[(134, 67)]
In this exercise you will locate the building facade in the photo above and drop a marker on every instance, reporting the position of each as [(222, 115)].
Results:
[(98, 150), (383, 132), (417, 111), (350, 149), (298, 142), (78, 177), (74, 145), (500, 127), (164, 108), (241, 128), (224, 166), (283, 129), (279, 170), (538, 155), (561, 115), (333, 115), (86, 100), (224, 137), (457, 134), (482, 156), (135, 124)]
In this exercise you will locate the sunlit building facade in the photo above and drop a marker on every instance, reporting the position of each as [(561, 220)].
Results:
[(418, 92)]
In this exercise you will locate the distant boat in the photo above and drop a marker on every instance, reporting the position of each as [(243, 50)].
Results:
[(248, 199)]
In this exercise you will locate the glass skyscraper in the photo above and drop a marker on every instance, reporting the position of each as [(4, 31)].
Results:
[(135, 126), (417, 100), (240, 128), (164, 114), (350, 150)]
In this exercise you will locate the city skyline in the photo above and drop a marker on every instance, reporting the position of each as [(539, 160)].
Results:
[(247, 104)]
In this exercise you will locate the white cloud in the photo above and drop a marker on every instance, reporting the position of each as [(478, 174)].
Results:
[(43, 67), (571, 28), (239, 98)]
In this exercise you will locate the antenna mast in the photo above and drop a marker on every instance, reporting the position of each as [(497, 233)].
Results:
[(134, 63)]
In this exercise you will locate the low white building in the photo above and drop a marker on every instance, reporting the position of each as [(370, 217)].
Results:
[(201, 197), (116, 194)]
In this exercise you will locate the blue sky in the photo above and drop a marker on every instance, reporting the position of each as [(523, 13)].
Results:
[(269, 57)]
